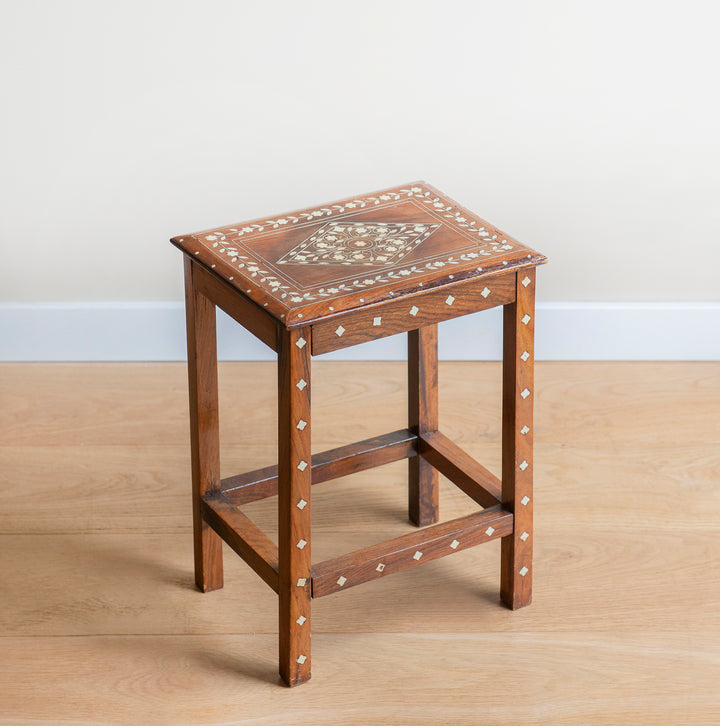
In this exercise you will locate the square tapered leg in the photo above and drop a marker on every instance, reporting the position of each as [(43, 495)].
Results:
[(204, 427), (423, 506), (294, 480), (517, 442)]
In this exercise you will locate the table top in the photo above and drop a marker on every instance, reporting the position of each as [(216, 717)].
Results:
[(314, 263)]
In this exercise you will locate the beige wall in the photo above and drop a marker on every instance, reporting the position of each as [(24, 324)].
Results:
[(588, 130)]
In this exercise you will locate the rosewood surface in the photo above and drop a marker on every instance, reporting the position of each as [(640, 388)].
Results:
[(204, 427), (304, 266), (331, 464), (310, 282), (410, 550)]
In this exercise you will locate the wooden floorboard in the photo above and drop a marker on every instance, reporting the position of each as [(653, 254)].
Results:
[(100, 622)]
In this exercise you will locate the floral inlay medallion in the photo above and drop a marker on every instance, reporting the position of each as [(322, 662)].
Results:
[(363, 243)]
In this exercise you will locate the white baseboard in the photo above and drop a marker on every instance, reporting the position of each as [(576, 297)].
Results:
[(155, 331)]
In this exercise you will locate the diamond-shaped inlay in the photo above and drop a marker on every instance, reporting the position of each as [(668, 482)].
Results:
[(302, 465), (377, 321), (525, 356), (489, 531), (525, 319), (485, 292), (301, 620), (380, 567), (524, 430), (300, 342), (526, 282), (301, 659), (524, 571), (524, 465), (341, 580), (417, 555), (364, 243), (301, 544), (414, 310), (524, 501), (339, 331), (301, 383), (449, 300), (524, 536), (454, 544), (301, 425), (301, 581), (301, 504), (525, 393)]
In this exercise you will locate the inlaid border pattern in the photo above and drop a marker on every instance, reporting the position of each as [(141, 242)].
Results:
[(221, 242)]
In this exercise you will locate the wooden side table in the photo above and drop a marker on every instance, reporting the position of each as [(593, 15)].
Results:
[(396, 261)]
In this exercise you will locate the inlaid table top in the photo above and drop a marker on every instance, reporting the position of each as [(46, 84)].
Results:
[(311, 264)]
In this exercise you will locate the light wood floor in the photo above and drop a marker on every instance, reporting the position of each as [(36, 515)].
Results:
[(100, 623)]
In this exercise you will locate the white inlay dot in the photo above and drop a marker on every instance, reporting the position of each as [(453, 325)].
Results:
[(449, 300), (525, 356), (524, 430), (524, 536), (339, 330), (301, 544), (300, 342), (341, 580), (525, 319), (302, 465), (301, 659), (489, 531), (301, 620), (301, 504), (525, 500), (454, 544), (301, 581), (417, 555), (380, 567), (525, 393), (301, 425), (524, 571), (377, 321), (526, 281), (485, 292), (301, 383), (524, 465), (414, 310)]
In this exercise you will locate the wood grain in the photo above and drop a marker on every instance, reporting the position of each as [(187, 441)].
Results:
[(204, 426), (101, 621), (420, 308), (423, 416), (410, 550), (294, 518), (239, 307), (404, 238), (327, 465), (516, 571), (603, 679), (481, 485), (243, 535)]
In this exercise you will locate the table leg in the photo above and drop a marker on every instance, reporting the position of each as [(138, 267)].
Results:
[(204, 427), (294, 481), (517, 442), (422, 417)]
